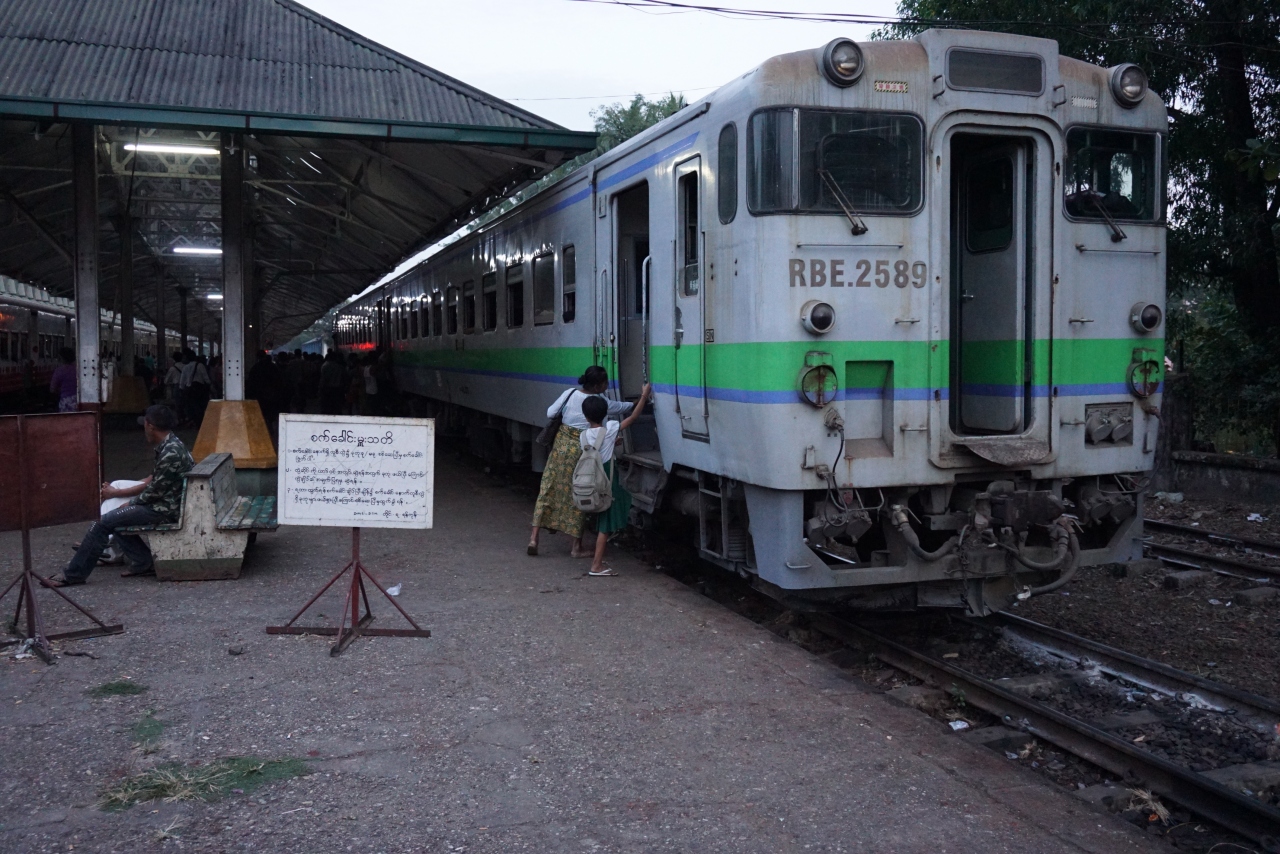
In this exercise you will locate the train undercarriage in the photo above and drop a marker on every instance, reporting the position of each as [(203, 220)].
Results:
[(979, 544)]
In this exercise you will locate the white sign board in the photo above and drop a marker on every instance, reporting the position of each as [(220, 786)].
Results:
[(355, 472)]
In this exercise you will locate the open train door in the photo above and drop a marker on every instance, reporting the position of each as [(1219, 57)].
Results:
[(1001, 296), (690, 328)]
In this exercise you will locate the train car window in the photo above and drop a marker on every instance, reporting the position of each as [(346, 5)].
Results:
[(4, 345), (451, 310), (1111, 175), (489, 302), (771, 161), (871, 161), (689, 234), (813, 160), (469, 307), (424, 310), (544, 290), (413, 320), (727, 173), (989, 206), (515, 296), (437, 314), (402, 312), (569, 283)]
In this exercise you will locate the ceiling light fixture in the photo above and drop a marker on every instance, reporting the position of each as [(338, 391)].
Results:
[(213, 296), (169, 148), (196, 250)]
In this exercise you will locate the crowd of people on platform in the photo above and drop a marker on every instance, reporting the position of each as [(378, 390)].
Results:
[(332, 384), (302, 382)]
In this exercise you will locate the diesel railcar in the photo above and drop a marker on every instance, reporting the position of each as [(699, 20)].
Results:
[(900, 302)]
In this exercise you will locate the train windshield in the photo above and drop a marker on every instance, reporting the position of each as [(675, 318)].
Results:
[(1111, 175), (825, 161)]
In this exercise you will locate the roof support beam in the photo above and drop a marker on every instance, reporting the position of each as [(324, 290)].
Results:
[(233, 268), (124, 299), (84, 168), (37, 225)]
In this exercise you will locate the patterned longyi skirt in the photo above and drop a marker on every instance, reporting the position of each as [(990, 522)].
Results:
[(554, 509)]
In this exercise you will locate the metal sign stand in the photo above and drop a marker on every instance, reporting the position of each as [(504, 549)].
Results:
[(351, 609), (27, 580)]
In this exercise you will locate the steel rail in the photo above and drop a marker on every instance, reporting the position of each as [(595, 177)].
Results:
[(1223, 565), (1271, 549), (1261, 713), (1244, 815)]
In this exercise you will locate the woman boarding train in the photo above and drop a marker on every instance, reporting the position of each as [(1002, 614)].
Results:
[(554, 509)]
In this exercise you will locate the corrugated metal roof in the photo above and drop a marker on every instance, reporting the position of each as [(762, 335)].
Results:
[(363, 156), (245, 56)]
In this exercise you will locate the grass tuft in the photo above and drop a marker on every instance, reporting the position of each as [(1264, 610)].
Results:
[(119, 688), (148, 730), (173, 782)]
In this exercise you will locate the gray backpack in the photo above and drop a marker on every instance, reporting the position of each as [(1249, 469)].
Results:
[(592, 489)]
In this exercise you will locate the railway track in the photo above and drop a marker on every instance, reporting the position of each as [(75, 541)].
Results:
[(1195, 791), (1192, 559)]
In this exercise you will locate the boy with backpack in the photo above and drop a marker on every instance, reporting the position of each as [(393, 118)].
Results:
[(595, 489)]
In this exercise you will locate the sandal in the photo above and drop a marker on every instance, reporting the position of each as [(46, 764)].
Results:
[(531, 550), (606, 572), (61, 581)]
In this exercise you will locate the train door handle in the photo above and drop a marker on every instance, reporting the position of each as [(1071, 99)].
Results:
[(965, 296), (679, 326)]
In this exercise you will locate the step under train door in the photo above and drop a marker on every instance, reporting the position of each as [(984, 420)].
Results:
[(689, 298)]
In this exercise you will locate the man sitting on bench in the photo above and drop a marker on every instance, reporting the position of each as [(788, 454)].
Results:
[(156, 500)]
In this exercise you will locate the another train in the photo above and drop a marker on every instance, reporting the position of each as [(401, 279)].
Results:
[(901, 303), (37, 324)]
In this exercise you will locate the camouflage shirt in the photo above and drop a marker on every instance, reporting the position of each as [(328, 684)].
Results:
[(164, 493)]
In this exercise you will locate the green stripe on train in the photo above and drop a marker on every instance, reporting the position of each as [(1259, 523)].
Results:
[(775, 366)]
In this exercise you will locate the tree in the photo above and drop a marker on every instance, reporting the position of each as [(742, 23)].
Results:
[(1217, 66), (617, 123)]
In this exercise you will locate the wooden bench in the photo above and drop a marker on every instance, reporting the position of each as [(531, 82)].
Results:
[(214, 527)]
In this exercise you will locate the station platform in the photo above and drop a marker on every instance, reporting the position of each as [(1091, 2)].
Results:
[(548, 712)]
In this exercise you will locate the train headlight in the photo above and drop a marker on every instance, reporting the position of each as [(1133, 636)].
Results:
[(817, 317), (1128, 84), (1145, 317), (842, 62)]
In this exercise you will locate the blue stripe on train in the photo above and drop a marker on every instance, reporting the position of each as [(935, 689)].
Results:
[(738, 395)]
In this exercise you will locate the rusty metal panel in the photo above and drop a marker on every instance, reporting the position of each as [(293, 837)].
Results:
[(61, 457)]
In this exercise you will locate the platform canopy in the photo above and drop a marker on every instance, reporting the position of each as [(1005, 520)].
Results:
[(352, 156)]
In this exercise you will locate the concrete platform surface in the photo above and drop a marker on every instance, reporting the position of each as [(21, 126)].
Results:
[(549, 712)]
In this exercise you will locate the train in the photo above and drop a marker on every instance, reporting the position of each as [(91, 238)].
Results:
[(36, 324), (901, 304)]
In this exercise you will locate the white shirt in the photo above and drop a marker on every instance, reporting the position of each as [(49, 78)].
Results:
[(188, 373), (200, 374), (573, 416), (591, 436)]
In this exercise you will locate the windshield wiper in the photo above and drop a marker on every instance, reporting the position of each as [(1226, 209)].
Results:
[(1117, 233), (859, 227)]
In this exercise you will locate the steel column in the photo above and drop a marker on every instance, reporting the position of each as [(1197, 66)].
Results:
[(162, 356), (233, 268), (182, 319), (84, 181), (126, 295)]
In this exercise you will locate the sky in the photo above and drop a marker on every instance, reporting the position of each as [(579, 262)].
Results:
[(561, 59)]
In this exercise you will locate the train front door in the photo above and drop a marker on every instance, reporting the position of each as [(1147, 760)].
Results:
[(690, 352), (991, 285)]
